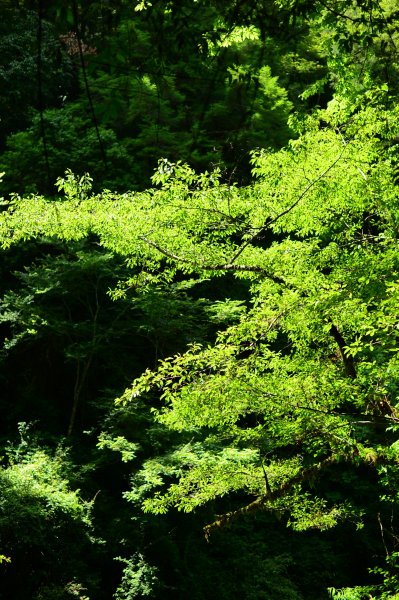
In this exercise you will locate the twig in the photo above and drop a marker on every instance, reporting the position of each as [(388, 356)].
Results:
[(287, 210), (382, 534), (222, 267), (263, 500)]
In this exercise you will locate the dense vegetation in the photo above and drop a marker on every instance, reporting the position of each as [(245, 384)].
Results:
[(199, 300)]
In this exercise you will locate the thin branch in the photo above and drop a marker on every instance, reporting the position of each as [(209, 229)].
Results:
[(362, 173), (86, 83), (267, 484), (265, 499), (287, 210), (382, 534), (164, 251), (339, 14), (253, 269), (367, 419), (222, 267), (81, 374), (246, 268), (40, 93)]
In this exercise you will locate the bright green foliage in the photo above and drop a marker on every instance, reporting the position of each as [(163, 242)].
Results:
[(260, 322), (40, 479), (307, 378), (360, 40), (347, 594), (139, 579), (40, 518)]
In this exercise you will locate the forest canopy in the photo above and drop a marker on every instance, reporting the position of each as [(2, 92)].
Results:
[(199, 300)]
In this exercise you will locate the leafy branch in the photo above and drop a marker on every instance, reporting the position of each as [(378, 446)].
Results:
[(271, 495), (270, 222), (221, 267)]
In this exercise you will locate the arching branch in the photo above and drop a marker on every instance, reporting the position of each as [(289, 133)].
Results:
[(262, 501), (287, 210), (221, 267)]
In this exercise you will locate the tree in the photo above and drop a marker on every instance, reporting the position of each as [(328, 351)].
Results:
[(304, 385), (292, 410)]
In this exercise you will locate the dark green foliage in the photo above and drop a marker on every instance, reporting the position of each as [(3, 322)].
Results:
[(61, 316), (202, 85), (19, 69), (71, 141)]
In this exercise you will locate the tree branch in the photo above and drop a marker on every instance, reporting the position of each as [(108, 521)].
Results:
[(347, 359), (270, 496), (287, 210), (339, 14), (164, 251), (222, 267), (254, 269)]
